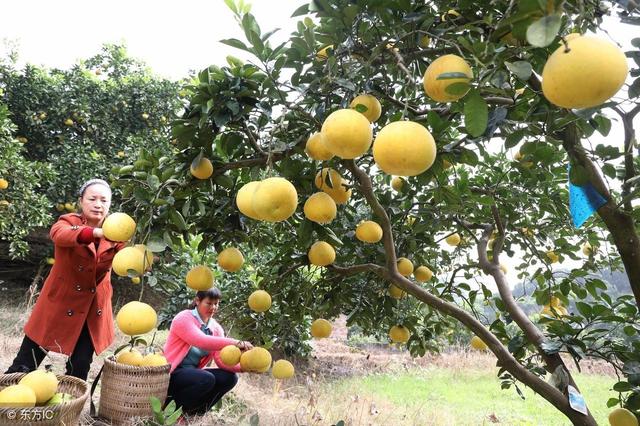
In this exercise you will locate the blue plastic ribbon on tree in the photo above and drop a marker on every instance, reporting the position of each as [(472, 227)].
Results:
[(584, 200)]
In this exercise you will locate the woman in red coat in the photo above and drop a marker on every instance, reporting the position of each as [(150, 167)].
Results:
[(73, 313)]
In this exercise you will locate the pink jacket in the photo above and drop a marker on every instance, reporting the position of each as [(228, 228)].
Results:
[(185, 332)]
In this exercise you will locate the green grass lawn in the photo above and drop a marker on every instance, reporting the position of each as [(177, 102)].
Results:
[(441, 396)]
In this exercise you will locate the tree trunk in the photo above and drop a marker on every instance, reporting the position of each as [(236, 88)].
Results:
[(618, 222)]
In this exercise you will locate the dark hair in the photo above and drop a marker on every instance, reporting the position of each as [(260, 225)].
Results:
[(212, 293)]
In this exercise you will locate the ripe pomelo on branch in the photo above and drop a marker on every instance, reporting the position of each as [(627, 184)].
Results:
[(584, 74), (321, 253), (244, 199), (369, 231), (422, 274), (404, 148), (200, 278), (137, 258), (399, 334), (136, 318), (282, 369), (321, 328), (275, 200), (405, 266), (320, 208), (347, 133), (118, 227), (230, 355), (316, 148), (202, 169), (330, 181), (259, 301), (374, 109), (445, 67), (231, 259)]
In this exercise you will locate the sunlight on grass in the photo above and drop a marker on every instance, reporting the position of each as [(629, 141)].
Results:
[(468, 397)]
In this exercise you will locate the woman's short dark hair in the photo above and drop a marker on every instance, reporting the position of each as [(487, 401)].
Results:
[(212, 293)]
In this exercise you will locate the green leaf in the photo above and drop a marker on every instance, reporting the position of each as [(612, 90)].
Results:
[(302, 10), (612, 402), (584, 309), (452, 75), (156, 244), (622, 387), (522, 69), (156, 405), (173, 418), (177, 219), (514, 138), (476, 114), (234, 42), (231, 5), (458, 88), (543, 31)]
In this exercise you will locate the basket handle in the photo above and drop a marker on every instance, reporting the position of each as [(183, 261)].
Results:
[(92, 409)]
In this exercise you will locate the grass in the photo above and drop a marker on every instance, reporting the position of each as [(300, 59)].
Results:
[(446, 397)]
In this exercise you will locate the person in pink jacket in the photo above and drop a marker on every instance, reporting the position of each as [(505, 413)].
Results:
[(195, 339)]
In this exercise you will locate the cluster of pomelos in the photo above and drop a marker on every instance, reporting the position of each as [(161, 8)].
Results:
[(39, 387)]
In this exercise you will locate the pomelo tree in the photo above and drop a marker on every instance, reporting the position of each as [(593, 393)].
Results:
[(482, 146)]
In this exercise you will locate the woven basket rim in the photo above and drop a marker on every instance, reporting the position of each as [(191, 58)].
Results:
[(137, 368), (11, 377)]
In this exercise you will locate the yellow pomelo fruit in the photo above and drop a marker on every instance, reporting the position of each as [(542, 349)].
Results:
[(259, 301), (323, 53), (330, 181), (587, 249), (405, 266), (437, 89), (202, 170), (256, 359), (399, 334), (591, 72), (130, 357), (275, 200), (622, 417), (60, 207), (396, 292), (200, 278), (552, 256), (135, 280), (282, 369), (422, 274), (70, 207), (136, 318), (230, 355), (369, 231), (119, 227), (374, 109), (397, 183), (4, 184), (321, 253), (316, 149), (320, 208), (478, 344), (17, 396), (137, 258), (453, 239), (404, 148), (504, 268), (321, 328), (153, 360), (231, 259), (44, 384), (244, 199), (347, 133)]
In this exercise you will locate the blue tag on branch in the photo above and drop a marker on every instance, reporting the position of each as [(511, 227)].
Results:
[(583, 201), (576, 400)]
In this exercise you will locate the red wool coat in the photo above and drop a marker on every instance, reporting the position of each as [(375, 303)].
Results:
[(77, 290)]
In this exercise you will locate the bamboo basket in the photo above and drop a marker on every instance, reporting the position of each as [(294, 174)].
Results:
[(126, 390), (63, 414)]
